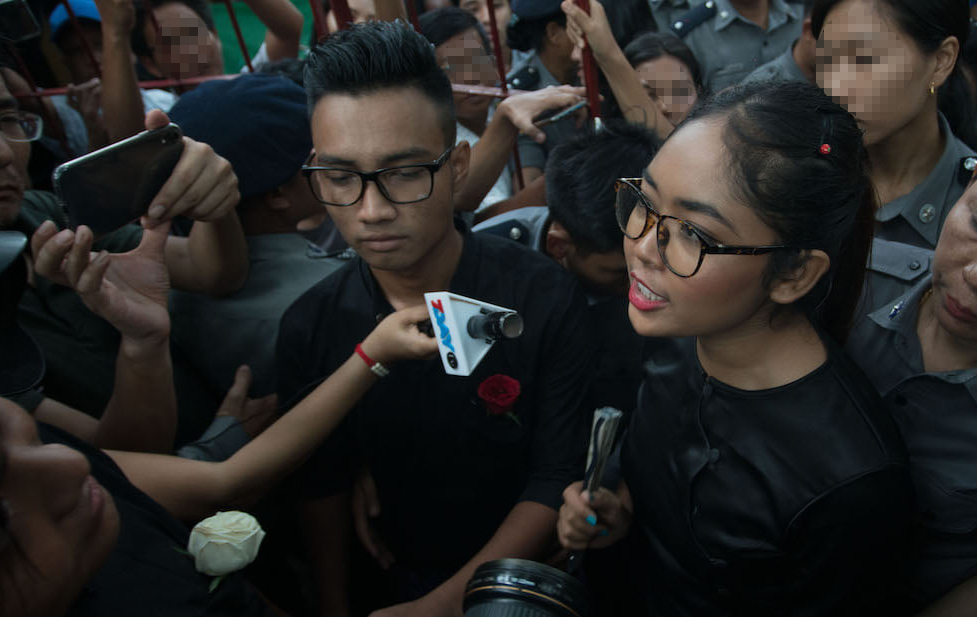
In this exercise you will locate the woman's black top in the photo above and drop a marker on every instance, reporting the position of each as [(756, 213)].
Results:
[(788, 501), (148, 574)]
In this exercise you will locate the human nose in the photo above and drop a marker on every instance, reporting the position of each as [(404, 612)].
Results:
[(970, 272), (56, 474), (374, 206)]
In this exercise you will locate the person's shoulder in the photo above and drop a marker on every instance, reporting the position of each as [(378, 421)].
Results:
[(893, 269), (522, 225), (317, 301), (686, 23)]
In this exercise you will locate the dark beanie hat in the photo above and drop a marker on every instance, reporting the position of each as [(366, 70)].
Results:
[(259, 122)]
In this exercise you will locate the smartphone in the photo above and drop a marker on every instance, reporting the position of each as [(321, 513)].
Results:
[(109, 188), (17, 21)]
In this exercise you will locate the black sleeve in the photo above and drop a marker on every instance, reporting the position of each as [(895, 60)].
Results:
[(843, 552), (562, 424)]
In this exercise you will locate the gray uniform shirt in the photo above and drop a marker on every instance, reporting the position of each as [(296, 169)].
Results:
[(917, 218), (666, 12), (220, 334), (781, 68), (729, 47), (937, 415)]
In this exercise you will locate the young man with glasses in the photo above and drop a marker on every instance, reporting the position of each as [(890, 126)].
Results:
[(457, 485)]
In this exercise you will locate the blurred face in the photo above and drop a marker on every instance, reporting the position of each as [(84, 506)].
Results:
[(467, 62), (873, 69), (185, 48), (669, 83), (392, 127), (955, 269), (60, 524), (604, 274), (14, 156), (503, 13), (727, 291), (74, 53)]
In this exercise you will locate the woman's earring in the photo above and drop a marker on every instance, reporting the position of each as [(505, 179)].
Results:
[(932, 87)]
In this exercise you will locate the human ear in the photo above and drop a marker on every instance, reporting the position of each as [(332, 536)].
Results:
[(794, 285), (559, 245), (945, 58), (555, 34), (459, 161), (276, 199)]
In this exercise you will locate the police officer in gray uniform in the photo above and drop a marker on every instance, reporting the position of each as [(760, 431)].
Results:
[(549, 64), (729, 46), (917, 218), (797, 63)]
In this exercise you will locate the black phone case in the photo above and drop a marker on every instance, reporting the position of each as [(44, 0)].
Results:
[(111, 187)]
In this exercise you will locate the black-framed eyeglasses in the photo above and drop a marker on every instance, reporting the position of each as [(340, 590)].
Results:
[(21, 125), (681, 245), (404, 184)]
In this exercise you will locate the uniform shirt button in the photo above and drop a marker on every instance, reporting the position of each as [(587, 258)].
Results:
[(515, 233), (713, 455), (927, 213), (724, 14), (970, 163), (915, 265)]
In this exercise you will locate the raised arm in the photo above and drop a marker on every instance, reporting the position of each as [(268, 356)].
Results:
[(129, 290), (283, 27), (193, 489), (625, 83), (514, 115), (122, 107)]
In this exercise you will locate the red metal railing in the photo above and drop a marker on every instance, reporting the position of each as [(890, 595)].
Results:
[(343, 16)]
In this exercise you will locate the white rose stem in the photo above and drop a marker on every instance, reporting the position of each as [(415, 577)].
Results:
[(602, 435)]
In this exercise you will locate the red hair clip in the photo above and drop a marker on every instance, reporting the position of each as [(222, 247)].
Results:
[(825, 149)]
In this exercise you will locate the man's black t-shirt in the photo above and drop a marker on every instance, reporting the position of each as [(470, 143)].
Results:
[(446, 470), (147, 573)]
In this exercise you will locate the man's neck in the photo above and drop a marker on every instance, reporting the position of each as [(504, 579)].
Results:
[(757, 11), (552, 64), (902, 161), (433, 272)]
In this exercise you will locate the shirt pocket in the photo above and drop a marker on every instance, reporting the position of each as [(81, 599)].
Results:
[(944, 509)]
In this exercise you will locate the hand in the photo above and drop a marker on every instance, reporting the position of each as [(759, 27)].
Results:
[(254, 414), (593, 29), (592, 521), (422, 607), (129, 290), (202, 187), (118, 16), (365, 504), (522, 109), (397, 337), (86, 99)]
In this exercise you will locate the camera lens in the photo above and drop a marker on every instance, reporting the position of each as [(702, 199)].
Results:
[(521, 588), (495, 325)]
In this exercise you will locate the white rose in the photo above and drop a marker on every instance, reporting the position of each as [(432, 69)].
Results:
[(225, 542)]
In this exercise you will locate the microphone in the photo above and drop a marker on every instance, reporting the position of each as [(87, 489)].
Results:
[(495, 325)]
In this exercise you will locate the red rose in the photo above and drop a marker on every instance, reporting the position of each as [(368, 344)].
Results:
[(499, 392)]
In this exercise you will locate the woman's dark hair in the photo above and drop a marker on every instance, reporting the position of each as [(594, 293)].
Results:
[(137, 39), (773, 134), (928, 23), (628, 19), (440, 25), (654, 45), (530, 34)]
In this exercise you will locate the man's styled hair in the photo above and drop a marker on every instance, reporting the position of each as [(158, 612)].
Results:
[(580, 176), (369, 57)]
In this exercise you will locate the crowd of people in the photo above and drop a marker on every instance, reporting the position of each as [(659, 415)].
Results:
[(763, 252)]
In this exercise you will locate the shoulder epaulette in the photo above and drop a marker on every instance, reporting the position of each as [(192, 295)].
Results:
[(966, 170), (527, 78), (694, 18)]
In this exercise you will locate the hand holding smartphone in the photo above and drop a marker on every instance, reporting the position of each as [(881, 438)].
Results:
[(113, 186)]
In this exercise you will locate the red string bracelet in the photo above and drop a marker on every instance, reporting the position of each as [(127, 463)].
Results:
[(378, 369)]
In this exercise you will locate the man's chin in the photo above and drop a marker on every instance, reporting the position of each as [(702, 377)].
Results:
[(9, 208)]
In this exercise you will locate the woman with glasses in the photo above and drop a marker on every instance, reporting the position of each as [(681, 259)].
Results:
[(760, 466)]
